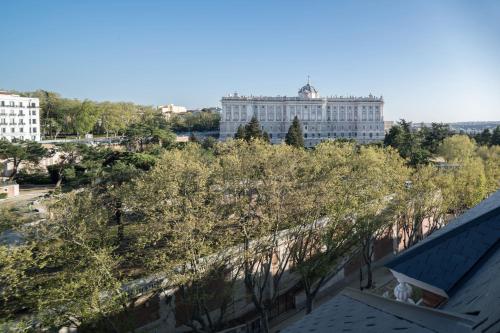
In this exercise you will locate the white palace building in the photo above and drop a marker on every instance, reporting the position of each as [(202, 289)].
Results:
[(322, 118)]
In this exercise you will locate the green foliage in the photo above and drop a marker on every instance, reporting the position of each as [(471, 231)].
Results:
[(252, 131), (240, 133), (153, 129), (197, 121), (483, 138), (3, 195), (457, 147), (495, 137), (214, 214), (23, 151), (294, 135), (35, 178), (408, 143)]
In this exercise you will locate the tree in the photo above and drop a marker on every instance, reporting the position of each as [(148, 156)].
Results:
[(152, 129), (294, 135), (495, 137), (79, 280), (86, 117), (184, 235), (253, 130), (259, 181), (375, 174), (424, 199), (469, 185), (24, 151), (407, 142), (483, 138), (240, 133), (323, 235), (16, 280), (457, 148), (68, 154), (433, 136)]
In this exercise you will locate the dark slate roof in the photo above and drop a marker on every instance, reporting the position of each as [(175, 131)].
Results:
[(449, 255), (356, 311), (479, 295)]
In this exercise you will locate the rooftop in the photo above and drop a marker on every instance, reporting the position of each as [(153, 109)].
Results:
[(462, 259)]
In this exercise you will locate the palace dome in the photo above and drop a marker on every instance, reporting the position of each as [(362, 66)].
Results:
[(308, 91)]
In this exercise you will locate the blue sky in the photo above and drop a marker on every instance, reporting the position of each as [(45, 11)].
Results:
[(432, 60)]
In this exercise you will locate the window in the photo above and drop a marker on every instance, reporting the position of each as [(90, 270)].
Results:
[(3, 103), (3, 130), (12, 130), (21, 104), (33, 121), (33, 105), (21, 129), (34, 129), (33, 113)]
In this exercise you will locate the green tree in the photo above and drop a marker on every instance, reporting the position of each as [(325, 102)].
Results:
[(79, 280), (324, 234), (240, 133), (294, 135), (23, 151), (86, 118), (253, 130), (407, 142), (433, 136), (495, 137), (457, 148), (424, 199), (375, 174), (68, 155), (185, 239), (483, 138)]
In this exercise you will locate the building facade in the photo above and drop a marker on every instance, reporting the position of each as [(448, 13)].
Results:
[(170, 110), (322, 118), (19, 117)]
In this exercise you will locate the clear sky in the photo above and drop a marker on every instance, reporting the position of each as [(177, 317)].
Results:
[(432, 60)]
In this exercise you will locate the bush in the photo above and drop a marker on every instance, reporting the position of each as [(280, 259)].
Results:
[(3, 195), (36, 178)]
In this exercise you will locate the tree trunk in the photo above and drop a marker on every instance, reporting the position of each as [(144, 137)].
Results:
[(118, 220), (14, 170), (264, 318), (309, 304), (59, 181), (369, 275), (367, 255)]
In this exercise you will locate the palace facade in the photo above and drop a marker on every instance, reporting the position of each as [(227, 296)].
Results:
[(322, 118)]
